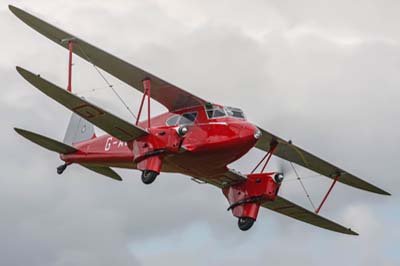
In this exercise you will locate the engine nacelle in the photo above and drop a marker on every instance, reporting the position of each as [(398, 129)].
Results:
[(148, 151), (245, 198)]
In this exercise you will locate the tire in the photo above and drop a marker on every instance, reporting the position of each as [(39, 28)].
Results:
[(148, 176), (245, 223), (61, 169)]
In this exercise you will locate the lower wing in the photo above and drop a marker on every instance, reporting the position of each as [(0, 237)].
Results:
[(288, 208), (110, 123), (280, 205)]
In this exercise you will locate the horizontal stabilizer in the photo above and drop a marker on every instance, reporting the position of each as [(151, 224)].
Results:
[(46, 142), (107, 171), (288, 208), (110, 123)]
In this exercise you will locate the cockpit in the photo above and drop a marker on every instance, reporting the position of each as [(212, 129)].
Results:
[(214, 111), (184, 119)]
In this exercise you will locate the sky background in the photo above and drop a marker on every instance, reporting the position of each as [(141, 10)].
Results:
[(322, 73)]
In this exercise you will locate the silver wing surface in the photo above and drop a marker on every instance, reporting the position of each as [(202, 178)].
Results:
[(169, 95), (110, 123), (286, 150)]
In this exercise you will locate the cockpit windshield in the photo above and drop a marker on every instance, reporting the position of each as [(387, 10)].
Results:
[(214, 111), (235, 112)]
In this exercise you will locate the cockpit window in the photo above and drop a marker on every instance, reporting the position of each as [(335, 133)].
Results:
[(235, 112), (215, 111), (184, 119)]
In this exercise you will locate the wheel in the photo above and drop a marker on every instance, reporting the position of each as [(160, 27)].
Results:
[(61, 169), (245, 223), (149, 176)]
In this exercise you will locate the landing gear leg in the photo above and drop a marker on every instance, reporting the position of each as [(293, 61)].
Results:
[(148, 176), (61, 169), (245, 223)]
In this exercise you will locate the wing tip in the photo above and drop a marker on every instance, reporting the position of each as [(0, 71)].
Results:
[(383, 192), (380, 191), (18, 130), (22, 132), (351, 232), (27, 75), (18, 12), (13, 8), (117, 177), (21, 70)]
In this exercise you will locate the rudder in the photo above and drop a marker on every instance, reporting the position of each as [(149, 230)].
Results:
[(78, 130)]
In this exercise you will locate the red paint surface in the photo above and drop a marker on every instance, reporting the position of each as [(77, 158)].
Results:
[(208, 147), (327, 194), (70, 46), (260, 185)]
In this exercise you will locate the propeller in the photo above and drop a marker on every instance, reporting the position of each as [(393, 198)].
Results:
[(283, 170)]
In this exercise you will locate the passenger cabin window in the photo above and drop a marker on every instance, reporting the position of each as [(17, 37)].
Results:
[(188, 118), (173, 120), (184, 119)]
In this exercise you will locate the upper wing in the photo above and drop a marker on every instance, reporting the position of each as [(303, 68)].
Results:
[(285, 207), (165, 93), (286, 150), (113, 125)]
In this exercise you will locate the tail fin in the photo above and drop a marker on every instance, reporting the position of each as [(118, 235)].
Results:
[(78, 130)]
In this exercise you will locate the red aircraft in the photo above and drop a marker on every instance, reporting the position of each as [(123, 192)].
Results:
[(195, 137)]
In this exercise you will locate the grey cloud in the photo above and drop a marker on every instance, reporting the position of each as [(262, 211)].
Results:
[(335, 99)]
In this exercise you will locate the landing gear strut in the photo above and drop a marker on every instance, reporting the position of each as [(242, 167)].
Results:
[(148, 176), (245, 223), (61, 169)]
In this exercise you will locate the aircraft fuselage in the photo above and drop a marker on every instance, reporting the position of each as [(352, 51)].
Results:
[(210, 144)]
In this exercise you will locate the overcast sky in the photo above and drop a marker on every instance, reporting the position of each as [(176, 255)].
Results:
[(322, 73)]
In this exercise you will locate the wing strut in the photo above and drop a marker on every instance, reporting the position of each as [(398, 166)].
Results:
[(146, 92), (70, 47), (327, 193), (267, 156), (70, 42)]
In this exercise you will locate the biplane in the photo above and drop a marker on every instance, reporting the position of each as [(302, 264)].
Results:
[(195, 137)]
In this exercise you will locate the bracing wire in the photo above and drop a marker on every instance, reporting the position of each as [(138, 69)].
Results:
[(303, 178), (107, 82), (302, 185)]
